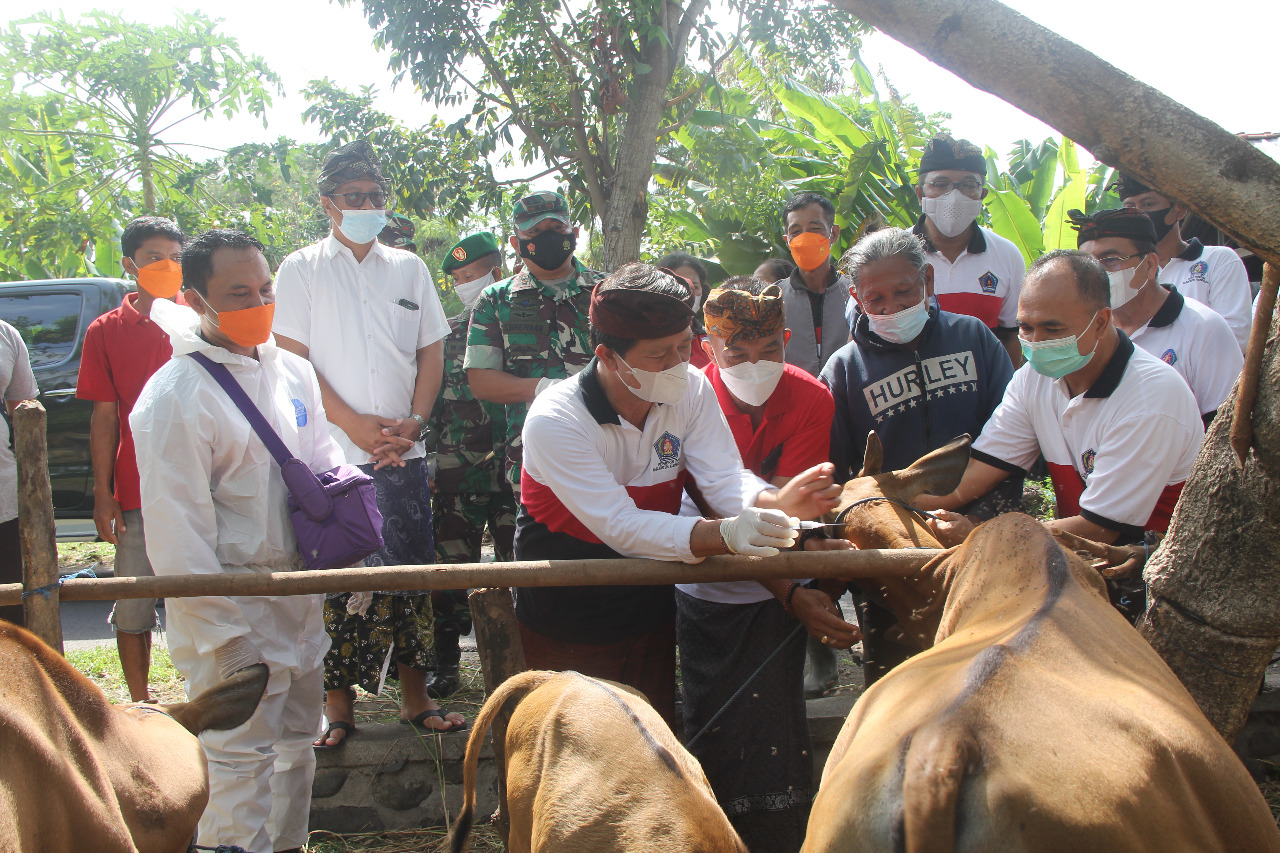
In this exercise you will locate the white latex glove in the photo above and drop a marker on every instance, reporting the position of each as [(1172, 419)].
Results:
[(358, 603), (543, 384), (759, 532), (236, 654)]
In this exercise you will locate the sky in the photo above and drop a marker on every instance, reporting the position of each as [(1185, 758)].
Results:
[(1217, 59)]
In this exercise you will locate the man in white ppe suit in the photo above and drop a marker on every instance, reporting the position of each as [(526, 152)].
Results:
[(216, 502)]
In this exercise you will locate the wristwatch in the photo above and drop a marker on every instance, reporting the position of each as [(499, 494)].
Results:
[(422, 426)]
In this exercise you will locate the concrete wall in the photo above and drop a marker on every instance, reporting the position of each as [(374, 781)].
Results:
[(388, 776)]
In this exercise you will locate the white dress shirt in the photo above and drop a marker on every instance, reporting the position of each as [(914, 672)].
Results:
[(363, 324)]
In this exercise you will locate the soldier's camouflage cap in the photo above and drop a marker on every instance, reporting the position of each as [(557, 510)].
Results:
[(469, 249), (532, 209)]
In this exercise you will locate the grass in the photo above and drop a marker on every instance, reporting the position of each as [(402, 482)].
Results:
[(1271, 792), (73, 556), (484, 839), (102, 665), (385, 708)]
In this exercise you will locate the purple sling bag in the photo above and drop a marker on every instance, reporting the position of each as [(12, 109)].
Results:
[(335, 514)]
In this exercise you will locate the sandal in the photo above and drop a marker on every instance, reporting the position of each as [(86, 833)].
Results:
[(417, 722), (347, 729)]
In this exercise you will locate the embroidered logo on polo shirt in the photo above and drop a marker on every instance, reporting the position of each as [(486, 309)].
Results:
[(668, 449), (299, 411), (1198, 271), (1169, 357), (988, 282), (1086, 459)]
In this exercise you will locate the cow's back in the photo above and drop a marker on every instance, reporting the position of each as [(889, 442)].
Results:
[(79, 774), (1056, 729), (592, 768)]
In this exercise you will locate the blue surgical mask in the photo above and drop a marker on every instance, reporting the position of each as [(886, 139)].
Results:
[(362, 226), (1058, 357)]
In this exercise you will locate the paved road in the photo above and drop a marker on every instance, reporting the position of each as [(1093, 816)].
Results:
[(84, 626)]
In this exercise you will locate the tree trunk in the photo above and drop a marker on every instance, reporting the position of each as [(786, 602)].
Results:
[(1214, 609), (146, 171), (1124, 123), (624, 217), (1214, 614)]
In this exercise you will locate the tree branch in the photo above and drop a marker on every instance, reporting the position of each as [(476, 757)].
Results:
[(524, 122), (556, 168)]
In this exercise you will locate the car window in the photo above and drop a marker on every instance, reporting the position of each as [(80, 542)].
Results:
[(48, 323)]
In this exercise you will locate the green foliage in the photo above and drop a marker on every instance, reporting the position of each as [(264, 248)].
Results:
[(84, 111), (1028, 203), (434, 170), (585, 92), (724, 182)]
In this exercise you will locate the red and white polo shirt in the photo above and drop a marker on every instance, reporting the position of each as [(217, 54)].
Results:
[(985, 280), (1196, 341), (597, 478), (1118, 453), (1214, 276)]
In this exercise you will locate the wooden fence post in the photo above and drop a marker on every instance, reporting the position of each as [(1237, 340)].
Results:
[(36, 526), (501, 656)]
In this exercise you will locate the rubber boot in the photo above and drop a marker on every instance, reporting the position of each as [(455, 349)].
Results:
[(444, 681), (822, 669)]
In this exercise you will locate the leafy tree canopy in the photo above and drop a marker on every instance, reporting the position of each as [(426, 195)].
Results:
[(588, 90)]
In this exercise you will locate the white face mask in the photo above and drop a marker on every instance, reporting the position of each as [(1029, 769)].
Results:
[(471, 290), (663, 386), (362, 226), (902, 327), (752, 383), (952, 213), (1120, 290)]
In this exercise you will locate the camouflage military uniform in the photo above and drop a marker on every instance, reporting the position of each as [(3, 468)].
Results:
[(468, 489), (529, 330)]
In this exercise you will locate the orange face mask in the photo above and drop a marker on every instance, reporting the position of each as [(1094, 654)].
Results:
[(162, 279), (248, 327), (810, 250)]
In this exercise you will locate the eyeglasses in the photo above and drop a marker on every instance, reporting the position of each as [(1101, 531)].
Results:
[(1112, 263), (355, 201), (942, 186)]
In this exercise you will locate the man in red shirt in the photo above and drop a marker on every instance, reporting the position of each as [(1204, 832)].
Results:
[(780, 418), (122, 348)]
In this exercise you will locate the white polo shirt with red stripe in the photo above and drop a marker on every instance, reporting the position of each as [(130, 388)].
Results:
[(985, 280), (1214, 276), (1196, 341), (1118, 454), (597, 478)]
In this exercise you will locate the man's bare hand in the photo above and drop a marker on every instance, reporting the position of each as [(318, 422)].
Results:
[(950, 528), (370, 433), (821, 618), (810, 494), (106, 513)]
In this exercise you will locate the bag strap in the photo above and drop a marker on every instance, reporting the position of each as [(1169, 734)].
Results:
[(246, 406)]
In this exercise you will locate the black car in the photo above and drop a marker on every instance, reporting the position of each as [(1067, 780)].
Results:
[(52, 317)]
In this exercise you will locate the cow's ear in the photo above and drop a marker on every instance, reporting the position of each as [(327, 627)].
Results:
[(223, 706), (873, 456), (935, 473)]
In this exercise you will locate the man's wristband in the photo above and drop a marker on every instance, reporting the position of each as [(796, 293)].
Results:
[(786, 599)]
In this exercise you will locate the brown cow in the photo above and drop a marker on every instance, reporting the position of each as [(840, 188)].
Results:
[(1037, 720), (592, 768), (78, 773)]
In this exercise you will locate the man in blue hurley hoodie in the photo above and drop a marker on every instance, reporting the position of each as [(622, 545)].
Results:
[(914, 374)]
